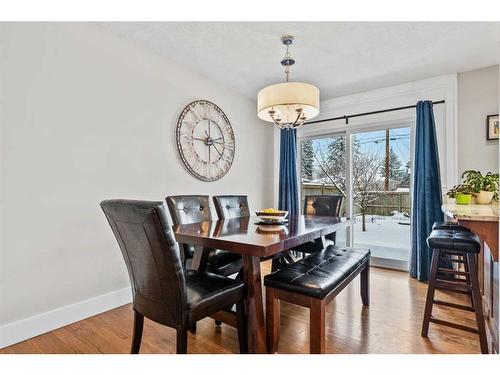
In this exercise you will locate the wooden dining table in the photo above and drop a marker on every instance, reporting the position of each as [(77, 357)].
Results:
[(254, 242)]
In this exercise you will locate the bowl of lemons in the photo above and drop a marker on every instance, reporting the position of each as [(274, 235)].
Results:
[(272, 215)]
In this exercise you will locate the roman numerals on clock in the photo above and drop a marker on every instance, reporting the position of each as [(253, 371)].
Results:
[(205, 140)]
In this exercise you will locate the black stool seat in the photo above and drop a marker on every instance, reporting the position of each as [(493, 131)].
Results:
[(319, 273), (455, 240), (449, 226)]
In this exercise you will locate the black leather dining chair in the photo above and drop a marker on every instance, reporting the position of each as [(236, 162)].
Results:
[(320, 205), (162, 289), (236, 206), (186, 209), (231, 206)]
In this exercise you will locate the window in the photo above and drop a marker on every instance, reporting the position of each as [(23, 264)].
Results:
[(377, 186)]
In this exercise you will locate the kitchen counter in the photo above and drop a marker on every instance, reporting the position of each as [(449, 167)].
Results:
[(477, 212), (483, 220)]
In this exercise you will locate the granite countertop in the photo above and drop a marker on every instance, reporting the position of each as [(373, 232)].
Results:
[(477, 212)]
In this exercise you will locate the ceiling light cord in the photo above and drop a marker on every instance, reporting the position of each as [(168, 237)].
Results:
[(287, 61), (287, 67)]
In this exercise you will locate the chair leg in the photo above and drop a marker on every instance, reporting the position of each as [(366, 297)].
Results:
[(429, 302), (275, 265), (272, 321), (317, 326), (478, 303), (242, 326), (182, 337), (192, 328), (365, 284), (467, 279), (288, 258), (137, 336)]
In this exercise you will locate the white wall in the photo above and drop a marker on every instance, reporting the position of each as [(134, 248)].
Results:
[(478, 97), (87, 116)]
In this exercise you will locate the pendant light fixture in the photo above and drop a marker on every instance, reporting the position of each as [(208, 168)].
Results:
[(288, 104)]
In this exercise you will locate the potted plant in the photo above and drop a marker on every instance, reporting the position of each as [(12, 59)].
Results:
[(485, 188), (462, 193)]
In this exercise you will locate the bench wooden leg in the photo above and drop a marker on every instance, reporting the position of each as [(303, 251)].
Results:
[(272, 321), (317, 326), (365, 284)]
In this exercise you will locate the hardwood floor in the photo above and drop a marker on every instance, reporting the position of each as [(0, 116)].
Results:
[(391, 324)]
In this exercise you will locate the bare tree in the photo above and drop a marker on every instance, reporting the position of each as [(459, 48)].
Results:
[(364, 176), (365, 183)]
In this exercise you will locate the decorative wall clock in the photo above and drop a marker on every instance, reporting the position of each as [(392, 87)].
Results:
[(205, 140)]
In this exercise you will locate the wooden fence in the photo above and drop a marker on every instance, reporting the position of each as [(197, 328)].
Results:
[(386, 202)]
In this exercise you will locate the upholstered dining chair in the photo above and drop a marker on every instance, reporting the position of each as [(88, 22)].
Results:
[(162, 290), (236, 206), (231, 206), (320, 205), (186, 209)]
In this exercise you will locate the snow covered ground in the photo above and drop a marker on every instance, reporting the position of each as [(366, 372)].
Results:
[(384, 235)]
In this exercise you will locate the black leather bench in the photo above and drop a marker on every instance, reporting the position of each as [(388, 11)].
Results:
[(313, 282)]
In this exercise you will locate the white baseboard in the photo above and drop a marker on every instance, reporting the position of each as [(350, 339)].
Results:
[(36, 325)]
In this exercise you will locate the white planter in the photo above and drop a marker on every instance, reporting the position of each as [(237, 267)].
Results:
[(484, 197)]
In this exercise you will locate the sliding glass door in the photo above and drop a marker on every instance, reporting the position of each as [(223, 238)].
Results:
[(381, 170), (323, 170), (372, 170)]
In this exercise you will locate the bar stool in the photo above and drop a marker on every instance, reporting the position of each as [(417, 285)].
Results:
[(464, 245), (448, 225)]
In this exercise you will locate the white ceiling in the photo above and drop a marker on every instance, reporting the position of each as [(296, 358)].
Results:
[(339, 57)]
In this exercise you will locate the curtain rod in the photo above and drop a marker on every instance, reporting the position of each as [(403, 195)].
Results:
[(346, 118)]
